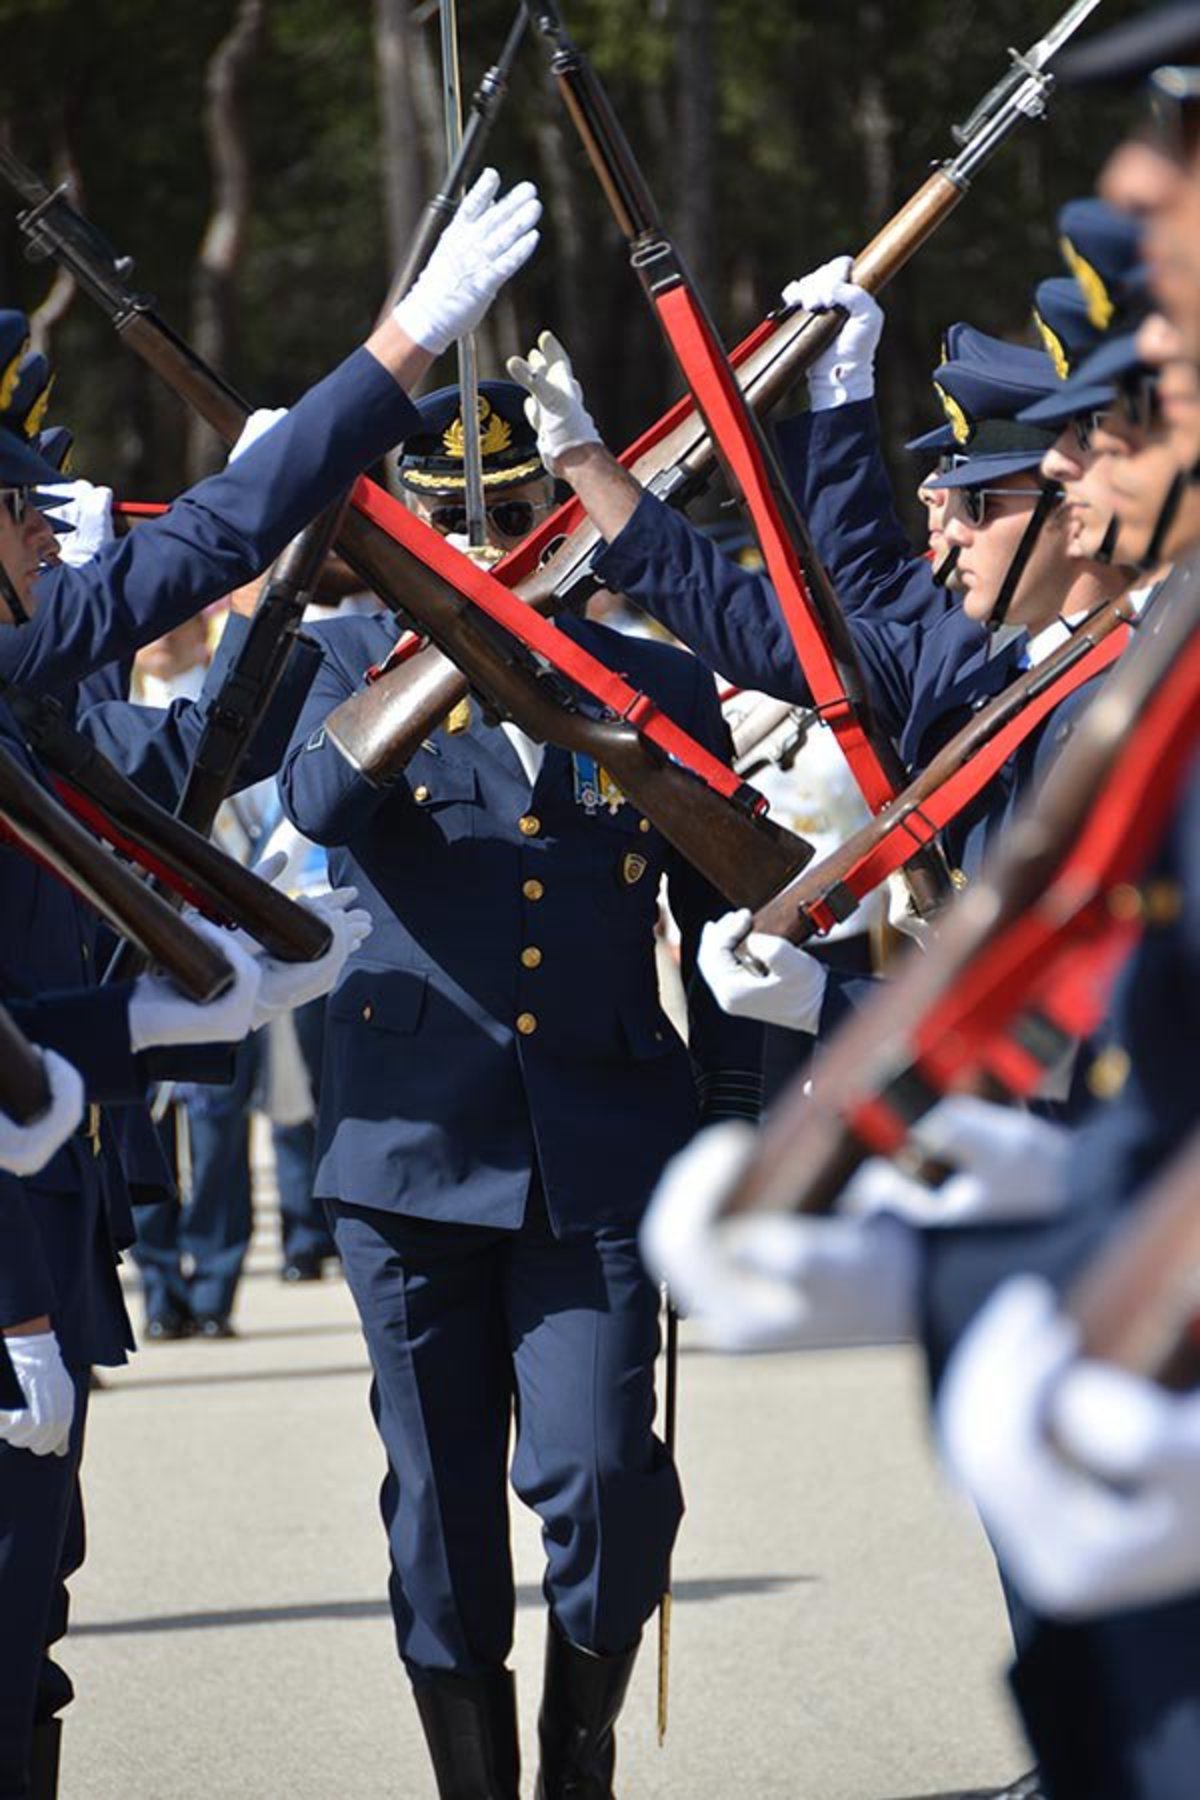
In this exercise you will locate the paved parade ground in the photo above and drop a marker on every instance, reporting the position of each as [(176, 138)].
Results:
[(838, 1631)]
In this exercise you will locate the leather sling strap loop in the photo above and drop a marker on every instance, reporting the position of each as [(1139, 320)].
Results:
[(1048, 499)]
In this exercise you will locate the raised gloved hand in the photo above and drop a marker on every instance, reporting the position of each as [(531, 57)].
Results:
[(483, 246), (43, 1425), (556, 408), (256, 426), (283, 986), (1008, 1166), (159, 1015), (773, 1281), (1087, 1479), (846, 371), (791, 991), (24, 1149), (87, 512)]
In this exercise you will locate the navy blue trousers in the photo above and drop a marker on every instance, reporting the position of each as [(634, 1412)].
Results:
[(467, 1325), (41, 1546)]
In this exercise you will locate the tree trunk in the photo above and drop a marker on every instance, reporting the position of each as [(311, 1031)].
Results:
[(695, 157), (225, 235), (406, 184)]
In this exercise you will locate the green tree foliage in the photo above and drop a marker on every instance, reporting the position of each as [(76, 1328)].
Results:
[(825, 119)]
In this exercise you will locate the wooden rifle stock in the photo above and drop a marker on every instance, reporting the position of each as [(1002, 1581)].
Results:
[(734, 852), (114, 806), (786, 915), (1136, 1302), (1062, 881), (42, 827), (24, 1090)]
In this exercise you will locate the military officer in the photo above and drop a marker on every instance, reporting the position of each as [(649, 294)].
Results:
[(501, 1087), (62, 1229)]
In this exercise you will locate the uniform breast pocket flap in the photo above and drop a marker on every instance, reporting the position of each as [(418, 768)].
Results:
[(440, 784), (381, 999)]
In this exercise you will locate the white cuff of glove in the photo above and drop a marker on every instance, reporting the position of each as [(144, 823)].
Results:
[(556, 408), (1007, 1166), (482, 247), (769, 1281), (43, 1426), (24, 1149), (790, 993), (283, 986), (257, 426), (846, 371), (159, 1015)]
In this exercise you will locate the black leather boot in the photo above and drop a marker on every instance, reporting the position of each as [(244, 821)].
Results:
[(581, 1698), (43, 1766), (470, 1724)]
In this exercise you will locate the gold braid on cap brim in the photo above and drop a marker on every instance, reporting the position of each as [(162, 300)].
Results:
[(446, 482)]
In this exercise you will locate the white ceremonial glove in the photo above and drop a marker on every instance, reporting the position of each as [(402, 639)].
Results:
[(87, 509), (24, 1149), (790, 993), (846, 371), (556, 408), (283, 986), (159, 1015), (1088, 1479), (1009, 1166), (482, 247), (256, 426), (43, 1425), (772, 1281)]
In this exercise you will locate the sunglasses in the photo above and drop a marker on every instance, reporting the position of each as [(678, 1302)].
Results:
[(15, 500), (974, 500), (1175, 112), (511, 518)]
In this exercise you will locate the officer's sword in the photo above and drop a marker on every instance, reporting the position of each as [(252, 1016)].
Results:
[(664, 1605), (468, 361)]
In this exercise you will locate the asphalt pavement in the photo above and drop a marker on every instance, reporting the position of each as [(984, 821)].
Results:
[(838, 1630)]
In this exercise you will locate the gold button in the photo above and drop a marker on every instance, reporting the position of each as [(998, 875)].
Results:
[(958, 880), (1109, 1073), (421, 794), (527, 1024), (643, 824), (529, 825), (532, 957), (368, 1011), (532, 890)]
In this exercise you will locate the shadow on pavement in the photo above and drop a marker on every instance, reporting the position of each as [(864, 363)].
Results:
[(528, 1594)]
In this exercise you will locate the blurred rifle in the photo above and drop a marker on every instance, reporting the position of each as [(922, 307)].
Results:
[(42, 828), (194, 868), (1024, 959)]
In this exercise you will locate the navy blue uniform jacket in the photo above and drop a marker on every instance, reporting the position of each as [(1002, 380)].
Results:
[(214, 539), (434, 1101)]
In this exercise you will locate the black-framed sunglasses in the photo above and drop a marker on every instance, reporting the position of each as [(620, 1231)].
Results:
[(511, 518), (1175, 111), (15, 501), (1137, 403), (974, 500)]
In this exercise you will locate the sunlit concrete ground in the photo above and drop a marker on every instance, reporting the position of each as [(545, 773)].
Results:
[(838, 1630)]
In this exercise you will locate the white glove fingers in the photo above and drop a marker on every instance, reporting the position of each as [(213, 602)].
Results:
[(1113, 1423), (521, 372), (271, 867), (479, 197), (507, 264)]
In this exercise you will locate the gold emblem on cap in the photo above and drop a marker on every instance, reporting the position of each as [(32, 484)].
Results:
[(959, 422), (633, 867), (11, 375), (495, 433), (37, 412), (1055, 348), (1100, 303)]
